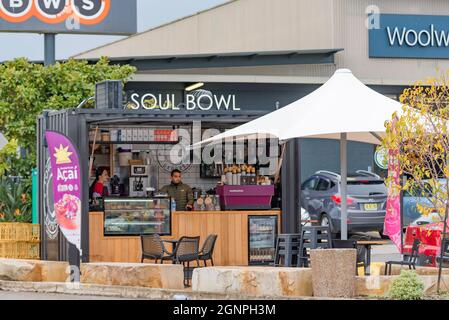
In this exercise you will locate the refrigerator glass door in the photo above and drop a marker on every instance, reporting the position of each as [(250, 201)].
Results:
[(262, 238)]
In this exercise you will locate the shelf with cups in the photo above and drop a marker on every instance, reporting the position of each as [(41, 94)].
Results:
[(134, 142)]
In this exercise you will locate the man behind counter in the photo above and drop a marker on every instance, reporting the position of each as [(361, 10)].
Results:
[(179, 191)]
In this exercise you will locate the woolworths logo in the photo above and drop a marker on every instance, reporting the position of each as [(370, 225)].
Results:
[(430, 37)]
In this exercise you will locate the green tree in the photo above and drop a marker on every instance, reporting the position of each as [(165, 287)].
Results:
[(420, 133), (26, 89)]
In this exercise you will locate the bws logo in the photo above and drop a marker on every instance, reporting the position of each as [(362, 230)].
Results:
[(55, 11)]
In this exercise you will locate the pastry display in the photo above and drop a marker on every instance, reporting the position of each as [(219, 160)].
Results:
[(136, 218)]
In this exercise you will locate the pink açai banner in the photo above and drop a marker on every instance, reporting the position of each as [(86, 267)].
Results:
[(392, 223), (65, 168)]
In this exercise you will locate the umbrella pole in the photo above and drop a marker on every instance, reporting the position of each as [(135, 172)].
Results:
[(277, 175), (343, 185)]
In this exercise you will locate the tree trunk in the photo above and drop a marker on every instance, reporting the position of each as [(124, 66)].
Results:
[(443, 235)]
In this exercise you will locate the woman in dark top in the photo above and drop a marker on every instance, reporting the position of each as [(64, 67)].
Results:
[(99, 189)]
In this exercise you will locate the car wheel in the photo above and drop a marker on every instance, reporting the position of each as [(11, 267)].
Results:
[(382, 236), (324, 221)]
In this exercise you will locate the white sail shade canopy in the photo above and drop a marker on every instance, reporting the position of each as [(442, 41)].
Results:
[(343, 108), (342, 104)]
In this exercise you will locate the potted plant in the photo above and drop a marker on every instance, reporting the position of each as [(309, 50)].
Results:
[(19, 238)]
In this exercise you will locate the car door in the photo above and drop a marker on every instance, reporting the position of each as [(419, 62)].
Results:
[(321, 195), (307, 195)]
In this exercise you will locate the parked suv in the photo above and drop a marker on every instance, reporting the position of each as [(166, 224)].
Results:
[(366, 199)]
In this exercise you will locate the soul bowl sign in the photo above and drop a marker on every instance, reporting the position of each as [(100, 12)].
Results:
[(87, 12)]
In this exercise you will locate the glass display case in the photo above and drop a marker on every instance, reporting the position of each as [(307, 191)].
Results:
[(135, 217)]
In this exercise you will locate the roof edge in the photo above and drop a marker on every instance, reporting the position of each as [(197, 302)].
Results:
[(157, 27)]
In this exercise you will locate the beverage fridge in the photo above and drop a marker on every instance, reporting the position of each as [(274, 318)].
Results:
[(262, 239)]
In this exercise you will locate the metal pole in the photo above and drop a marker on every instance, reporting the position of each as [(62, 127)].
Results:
[(401, 199), (343, 185), (49, 49)]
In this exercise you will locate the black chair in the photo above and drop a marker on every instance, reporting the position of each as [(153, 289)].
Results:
[(312, 237), (287, 249), (445, 250), (153, 248), (207, 251), (349, 244), (186, 251), (409, 260)]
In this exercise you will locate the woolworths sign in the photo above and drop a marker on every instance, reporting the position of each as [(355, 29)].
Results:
[(410, 36)]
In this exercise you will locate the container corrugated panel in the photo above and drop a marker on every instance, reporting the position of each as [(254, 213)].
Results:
[(351, 33), (55, 121)]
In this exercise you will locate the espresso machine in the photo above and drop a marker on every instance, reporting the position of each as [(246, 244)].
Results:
[(138, 181)]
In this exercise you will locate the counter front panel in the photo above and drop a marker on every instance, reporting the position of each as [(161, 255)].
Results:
[(232, 228)]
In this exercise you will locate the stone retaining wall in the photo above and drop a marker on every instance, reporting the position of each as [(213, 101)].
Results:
[(33, 270), (164, 276), (254, 281), (379, 285)]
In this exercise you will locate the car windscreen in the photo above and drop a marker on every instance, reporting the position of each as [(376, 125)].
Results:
[(366, 187)]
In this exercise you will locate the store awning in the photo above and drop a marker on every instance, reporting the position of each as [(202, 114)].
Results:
[(223, 60)]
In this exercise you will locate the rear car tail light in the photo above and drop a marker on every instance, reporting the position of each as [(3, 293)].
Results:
[(337, 200)]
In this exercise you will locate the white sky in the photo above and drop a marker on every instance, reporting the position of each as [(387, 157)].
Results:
[(151, 13)]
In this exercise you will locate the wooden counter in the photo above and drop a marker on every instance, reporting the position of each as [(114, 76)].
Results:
[(231, 227)]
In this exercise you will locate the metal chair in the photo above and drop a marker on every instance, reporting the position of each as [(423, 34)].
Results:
[(444, 249), (313, 237), (287, 247), (409, 260), (207, 251), (349, 244), (186, 251), (153, 248)]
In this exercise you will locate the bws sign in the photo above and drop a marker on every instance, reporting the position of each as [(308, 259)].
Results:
[(54, 11), (70, 16), (410, 36)]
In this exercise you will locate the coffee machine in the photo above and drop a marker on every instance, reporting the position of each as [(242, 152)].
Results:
[(138, 181)]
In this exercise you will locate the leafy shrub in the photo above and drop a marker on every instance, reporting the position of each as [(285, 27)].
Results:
[(15, 202), (408, 286), (27, 88)]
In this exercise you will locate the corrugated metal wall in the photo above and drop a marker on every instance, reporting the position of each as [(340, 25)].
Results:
[(351, 34), (56, 249), (73, 125), (290, 24)]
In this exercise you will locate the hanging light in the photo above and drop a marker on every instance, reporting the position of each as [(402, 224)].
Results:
[(194, 86)]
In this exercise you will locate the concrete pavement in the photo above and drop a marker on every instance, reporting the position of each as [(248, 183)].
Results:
[(385, 253)]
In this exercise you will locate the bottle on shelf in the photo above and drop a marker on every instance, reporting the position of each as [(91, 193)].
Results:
[(234, 175), (173, 204), (228, 176), (217, 203), (243, 180), (239, 176)]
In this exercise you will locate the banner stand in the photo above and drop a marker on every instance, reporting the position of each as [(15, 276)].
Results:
[(67, 195)]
